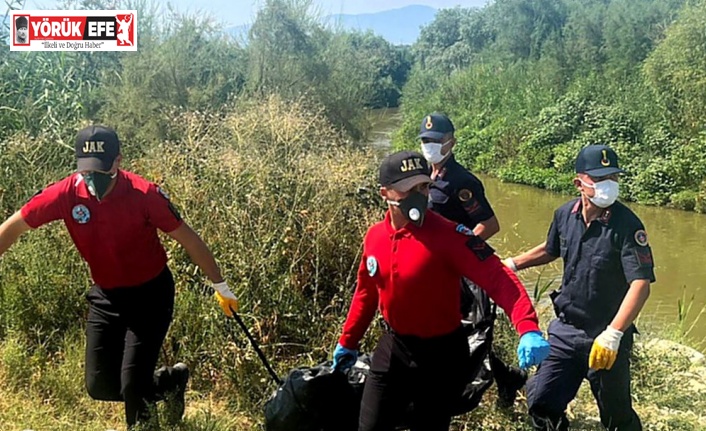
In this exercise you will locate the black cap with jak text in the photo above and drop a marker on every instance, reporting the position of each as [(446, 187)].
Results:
[(96, 148), (403, 170)]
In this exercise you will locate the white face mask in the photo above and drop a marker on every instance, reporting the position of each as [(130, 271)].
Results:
[(432, 151), (606, 192)]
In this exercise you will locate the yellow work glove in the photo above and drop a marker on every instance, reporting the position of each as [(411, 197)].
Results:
[(227, 301), (605, 349)]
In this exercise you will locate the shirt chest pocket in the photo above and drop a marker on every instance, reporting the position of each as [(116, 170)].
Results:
[(603, 278)]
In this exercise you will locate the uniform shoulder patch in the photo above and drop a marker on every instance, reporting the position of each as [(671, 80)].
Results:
[(171, 206), (463, 229), (479, 247), (644, 257), (162, 192), (641, 237), (372, 265), (174, 211), (465, 195)]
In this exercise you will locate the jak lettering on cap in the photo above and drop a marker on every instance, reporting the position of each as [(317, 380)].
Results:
[(403, 170), (96, 148)]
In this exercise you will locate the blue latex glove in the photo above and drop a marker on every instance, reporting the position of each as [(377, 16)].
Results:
[(344, 359), (532, 350)]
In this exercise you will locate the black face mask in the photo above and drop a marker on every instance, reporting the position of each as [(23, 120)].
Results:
[(98, 183), (413, 207)]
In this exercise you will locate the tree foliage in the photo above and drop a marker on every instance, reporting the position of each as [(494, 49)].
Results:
[(676, 69), (529, 82)]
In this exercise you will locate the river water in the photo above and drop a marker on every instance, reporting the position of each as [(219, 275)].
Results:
[(676, 237)]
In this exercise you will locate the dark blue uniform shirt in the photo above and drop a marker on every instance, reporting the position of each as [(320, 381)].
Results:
[(600, 262), (458, 195)]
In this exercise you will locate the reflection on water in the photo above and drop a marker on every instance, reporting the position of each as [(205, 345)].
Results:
[(676, 238)]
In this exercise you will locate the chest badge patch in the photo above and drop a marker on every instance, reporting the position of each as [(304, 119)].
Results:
[(641, 237), (372, 265), (460, 228), (81, 214)]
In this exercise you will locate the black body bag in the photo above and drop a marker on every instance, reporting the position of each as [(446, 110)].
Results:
[(321, 399), (478, 320), (314, 399)]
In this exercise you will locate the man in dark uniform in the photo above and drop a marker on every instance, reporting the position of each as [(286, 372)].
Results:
[(459, 196), (410, 269), (113, 216), (608, 269), (456, 193)]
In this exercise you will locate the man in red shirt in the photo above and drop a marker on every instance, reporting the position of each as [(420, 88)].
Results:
[(411, 265), (113, 216)]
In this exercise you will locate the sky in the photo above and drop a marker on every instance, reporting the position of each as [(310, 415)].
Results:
[(237, 12)]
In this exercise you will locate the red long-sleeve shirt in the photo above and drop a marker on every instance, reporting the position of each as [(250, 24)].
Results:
[(413, 276)]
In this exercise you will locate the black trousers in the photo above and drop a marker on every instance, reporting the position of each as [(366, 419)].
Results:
[(560, 375), (427, 372), (124, 333)]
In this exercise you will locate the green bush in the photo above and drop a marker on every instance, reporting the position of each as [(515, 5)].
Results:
[(700, 203), (537, 177), (685, 200), (654, 184)]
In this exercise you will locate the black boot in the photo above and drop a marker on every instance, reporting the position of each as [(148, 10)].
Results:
[(171, 386)]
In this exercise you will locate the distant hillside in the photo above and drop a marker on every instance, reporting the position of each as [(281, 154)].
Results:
[(399, 26)]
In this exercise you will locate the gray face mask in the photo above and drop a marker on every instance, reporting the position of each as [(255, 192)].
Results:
[(414, 207), (98, 183)]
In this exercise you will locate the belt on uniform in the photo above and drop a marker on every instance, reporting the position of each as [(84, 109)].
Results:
[(576, 322), (388, 329)]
